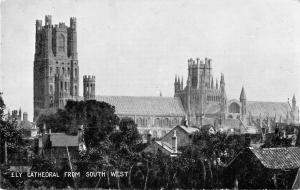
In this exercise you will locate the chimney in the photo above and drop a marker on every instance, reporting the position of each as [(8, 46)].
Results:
[(174, 142), (148, 138), (44, 129), (80, 133), (247, 140), (25, 116)]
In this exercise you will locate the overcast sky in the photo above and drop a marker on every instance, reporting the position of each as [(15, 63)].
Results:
[(135, 47)]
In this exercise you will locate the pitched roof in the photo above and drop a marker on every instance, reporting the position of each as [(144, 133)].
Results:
[(133, 105), (165, 146), (265, 108), (25, 125), (61, 140), (278, 158), (189, 130)]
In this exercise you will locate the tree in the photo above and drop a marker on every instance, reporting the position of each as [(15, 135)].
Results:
[(12, 137), (9, 134)]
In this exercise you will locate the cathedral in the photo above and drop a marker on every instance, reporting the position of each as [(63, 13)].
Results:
[(198, 101)]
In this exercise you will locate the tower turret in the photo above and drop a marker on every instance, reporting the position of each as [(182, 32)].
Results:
[(243, 102), (89, 87), (181, 84), (222, 83), (72, 38), (176, 84), (48, 20), (294, 103)]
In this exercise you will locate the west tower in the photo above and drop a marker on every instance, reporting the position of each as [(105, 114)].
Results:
[(56, 70)]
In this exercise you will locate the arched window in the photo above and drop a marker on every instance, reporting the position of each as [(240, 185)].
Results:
[(63, 70), (51, 89), (57, 70), (75, 72), (61, 85), (174, 122), (166, 122), (61, 43), (161, 122), (234, 108), (139, 122), (156, 122), (75, 90), (66, 86)]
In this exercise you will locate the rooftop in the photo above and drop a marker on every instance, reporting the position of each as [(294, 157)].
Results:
[(278, 158), (136, 105)]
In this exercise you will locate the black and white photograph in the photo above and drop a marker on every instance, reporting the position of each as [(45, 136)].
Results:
[(149, 94)]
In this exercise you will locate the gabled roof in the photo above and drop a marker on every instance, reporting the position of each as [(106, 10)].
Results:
[(134, 105), (166, 146), (278, 158), (265, 108)]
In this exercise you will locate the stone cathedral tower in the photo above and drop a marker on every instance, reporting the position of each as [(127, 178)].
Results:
[(56, 71)]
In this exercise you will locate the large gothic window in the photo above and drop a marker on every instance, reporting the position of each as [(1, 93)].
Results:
[(61, 43), (234, 108), (156, 122)]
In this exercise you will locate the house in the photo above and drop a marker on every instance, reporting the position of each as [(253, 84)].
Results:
[(263, 168), (57, 146), (178, 137)]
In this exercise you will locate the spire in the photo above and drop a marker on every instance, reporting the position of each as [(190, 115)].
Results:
[(243, 95), (294, 99), (222, 79), (294, 106), (212, 82), (181, 85)]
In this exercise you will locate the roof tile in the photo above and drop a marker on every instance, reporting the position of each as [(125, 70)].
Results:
[(279, 158), (134, 105)]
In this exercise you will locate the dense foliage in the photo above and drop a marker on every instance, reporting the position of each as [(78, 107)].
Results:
[(115, 145)]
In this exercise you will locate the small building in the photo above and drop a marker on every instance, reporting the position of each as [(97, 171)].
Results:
[(183, 133), (178, 137), (271, 168), (55, 146), (29, 128)]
